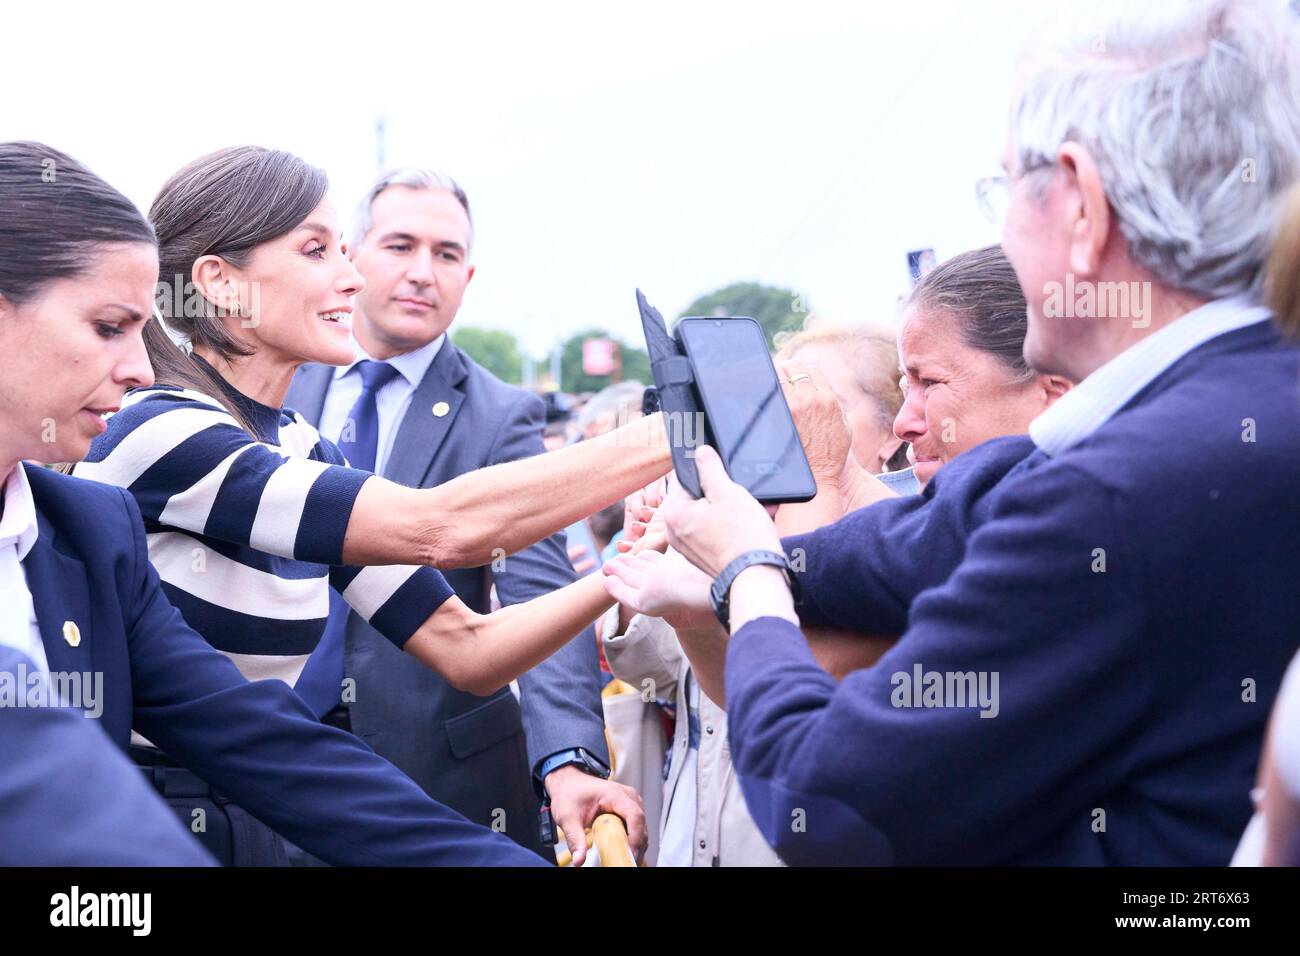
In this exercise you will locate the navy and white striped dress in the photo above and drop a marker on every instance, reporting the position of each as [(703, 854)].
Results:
[(247, 532)]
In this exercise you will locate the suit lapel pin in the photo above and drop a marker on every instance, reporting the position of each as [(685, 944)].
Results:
[(71, 633), (441, 408)]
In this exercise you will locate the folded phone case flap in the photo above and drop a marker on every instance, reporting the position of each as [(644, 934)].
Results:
[(673, 370)]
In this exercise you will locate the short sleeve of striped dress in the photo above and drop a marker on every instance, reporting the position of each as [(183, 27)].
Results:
[(246, 531)]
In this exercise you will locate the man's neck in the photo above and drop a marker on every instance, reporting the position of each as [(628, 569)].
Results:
[(1152, 307)]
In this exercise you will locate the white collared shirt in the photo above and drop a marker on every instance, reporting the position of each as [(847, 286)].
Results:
[(391, 401), (1090, 404), (18, 530)]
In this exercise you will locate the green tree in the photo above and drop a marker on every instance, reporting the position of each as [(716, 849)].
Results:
[(636, 363), (496, 351), (774, 308)]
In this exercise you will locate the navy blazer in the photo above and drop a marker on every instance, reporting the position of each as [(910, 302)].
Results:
[(69, 798), (1136, 599), (256, 742), (470, 752)]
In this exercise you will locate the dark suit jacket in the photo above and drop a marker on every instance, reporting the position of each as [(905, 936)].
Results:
[(467, 751), (69, 798), (256, 742)]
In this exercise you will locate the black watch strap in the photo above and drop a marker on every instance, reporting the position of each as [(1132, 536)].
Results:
[(720, 592)]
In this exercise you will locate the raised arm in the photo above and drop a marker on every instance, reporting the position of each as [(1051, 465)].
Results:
[(497, 511), (842, 485), (229, 486)]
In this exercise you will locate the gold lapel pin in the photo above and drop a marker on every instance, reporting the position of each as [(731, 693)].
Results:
[(71, 633), (441, 408)]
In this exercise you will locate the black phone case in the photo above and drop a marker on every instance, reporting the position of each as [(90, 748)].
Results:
[(675, 384), (679, 399)]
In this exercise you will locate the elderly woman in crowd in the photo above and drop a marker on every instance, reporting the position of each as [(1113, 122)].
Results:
[(860, 367)]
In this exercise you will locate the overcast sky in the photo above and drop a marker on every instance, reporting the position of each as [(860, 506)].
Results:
[(672, 146)]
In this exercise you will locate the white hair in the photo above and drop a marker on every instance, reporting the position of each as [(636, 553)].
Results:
[(1192, 112), (410, 177), (613, 406)]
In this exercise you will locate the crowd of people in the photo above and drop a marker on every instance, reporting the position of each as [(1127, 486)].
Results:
[(339, 596)]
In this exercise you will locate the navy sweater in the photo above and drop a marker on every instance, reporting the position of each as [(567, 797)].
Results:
[(1136, 598)]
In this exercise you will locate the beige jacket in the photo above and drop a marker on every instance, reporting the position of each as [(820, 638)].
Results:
[(649, 658)]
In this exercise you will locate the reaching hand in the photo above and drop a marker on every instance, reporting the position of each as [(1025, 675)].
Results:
[(642, 527), (660, 585), (819, 417)]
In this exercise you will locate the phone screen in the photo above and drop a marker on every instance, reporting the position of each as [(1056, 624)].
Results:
[(745, 409)]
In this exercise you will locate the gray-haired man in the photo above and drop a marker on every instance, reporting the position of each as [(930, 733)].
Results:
[(1130, 583)]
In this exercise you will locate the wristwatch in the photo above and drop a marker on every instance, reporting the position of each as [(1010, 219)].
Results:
[(720, 592), (580, 757)]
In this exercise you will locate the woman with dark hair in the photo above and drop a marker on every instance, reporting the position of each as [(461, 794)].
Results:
[(78, 267), (961, 347), (253, 517), (964, 381)]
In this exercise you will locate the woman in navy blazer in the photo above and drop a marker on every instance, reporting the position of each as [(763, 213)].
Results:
[(78, 267)]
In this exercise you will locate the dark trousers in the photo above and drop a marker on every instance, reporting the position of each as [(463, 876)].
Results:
[(231, 834)]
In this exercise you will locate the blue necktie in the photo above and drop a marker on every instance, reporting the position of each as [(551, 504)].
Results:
[(322, 677), (360, 436)]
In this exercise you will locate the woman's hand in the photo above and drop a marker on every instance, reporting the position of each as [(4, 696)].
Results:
[(661, 585), (714, 530), (818, 415), (642, 526)]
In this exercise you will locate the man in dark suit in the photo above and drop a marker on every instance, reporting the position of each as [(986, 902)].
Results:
[(417, 410)]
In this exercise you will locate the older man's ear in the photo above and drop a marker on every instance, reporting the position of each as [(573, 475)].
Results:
[(1089, 227)]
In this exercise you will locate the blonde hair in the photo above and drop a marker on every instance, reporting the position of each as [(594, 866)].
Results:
[(871, 354), (1284, 267)]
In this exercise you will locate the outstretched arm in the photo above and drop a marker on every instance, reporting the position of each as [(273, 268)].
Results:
[(480, 653), (499, 510), (231, 487)]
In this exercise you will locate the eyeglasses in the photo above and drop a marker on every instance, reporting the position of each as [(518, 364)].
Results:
[(993, 193)]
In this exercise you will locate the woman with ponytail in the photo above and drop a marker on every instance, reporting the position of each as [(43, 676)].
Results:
[(253, 517)]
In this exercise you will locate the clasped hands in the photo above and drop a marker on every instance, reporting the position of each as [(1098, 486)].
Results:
[(705, 535)]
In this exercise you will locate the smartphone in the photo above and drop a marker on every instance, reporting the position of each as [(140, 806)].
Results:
[(745, 414)]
